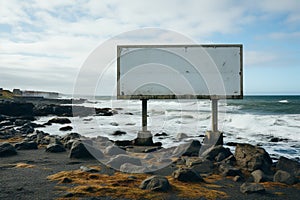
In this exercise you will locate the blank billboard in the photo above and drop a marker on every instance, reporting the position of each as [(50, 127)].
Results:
[(180, 71)]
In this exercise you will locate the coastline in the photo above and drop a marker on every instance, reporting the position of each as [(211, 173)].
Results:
[(26, 174)]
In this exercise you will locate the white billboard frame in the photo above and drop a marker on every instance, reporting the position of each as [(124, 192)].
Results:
[(207, 48)]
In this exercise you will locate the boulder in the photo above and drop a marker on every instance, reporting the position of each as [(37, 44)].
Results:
[(105, 111), (228, 170), (284, 177), (70, 136), (121, 159), (252, 188), (21, 122), (258, 176), (88, 169), (68, 144), (251, 158), (66, 128), (200, 165), (155, 183), (113, 150), (59, 120), (216, 153), (55, 148), (82, 149), (119, 133), (288, 165), (26, 145), (6, 149), (161, 134), (131, 168), (187, 175), (26, 129), (191, 148)]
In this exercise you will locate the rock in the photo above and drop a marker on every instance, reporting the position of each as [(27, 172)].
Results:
[(252, 188), (21, 122), (288, 165), (231, 144), (258, 176), (6, 149), (66, 128), (58, 110), (16, 108), (237, 179), (26, 145), (55, 148), (227, 170), (43, 138), (70, 136), (161, 134), (216, 153), (121, 159), (156, 183), (187, 175), (88, 169), (119, 133), (6, 123), (181, 136), (251, 158), (69, 144), (26, 129), (200, 165), (191, 148), (113, 150), (114, 124), (81, 149), (104, 111), (131, 168), (284, 177), (59, 120)]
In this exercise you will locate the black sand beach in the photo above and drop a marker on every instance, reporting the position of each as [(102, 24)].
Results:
[(38, 165)]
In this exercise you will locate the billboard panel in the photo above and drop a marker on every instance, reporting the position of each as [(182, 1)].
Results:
[(180, 71)]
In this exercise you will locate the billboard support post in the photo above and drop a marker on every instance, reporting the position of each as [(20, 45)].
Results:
[(214, 106), (144, 114)]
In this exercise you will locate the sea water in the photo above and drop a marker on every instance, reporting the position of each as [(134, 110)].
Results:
[(254, 119)]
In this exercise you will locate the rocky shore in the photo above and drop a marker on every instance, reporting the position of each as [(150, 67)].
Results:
[(38, 165)]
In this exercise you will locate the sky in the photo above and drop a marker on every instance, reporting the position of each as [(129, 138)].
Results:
[(46, 45)]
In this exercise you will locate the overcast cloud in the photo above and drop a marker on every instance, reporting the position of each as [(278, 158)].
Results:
[(43, 44)]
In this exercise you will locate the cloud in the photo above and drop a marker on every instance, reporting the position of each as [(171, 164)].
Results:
[(258, 58), (285, 35), (55, 37)]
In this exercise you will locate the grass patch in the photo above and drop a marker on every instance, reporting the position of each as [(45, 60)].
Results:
[(24, 165), (12, 140), (119, 185)]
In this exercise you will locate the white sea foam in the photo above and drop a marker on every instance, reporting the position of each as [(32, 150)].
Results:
[(283, 101)]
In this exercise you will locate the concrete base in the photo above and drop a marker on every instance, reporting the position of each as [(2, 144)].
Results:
[(144, 138), (213, 138)]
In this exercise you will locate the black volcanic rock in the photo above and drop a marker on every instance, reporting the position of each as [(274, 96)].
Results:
[(60, 120), (6, 149), (10, 108), (66, 128)]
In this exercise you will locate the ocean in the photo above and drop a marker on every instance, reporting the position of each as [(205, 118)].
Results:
[(272, 122)]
